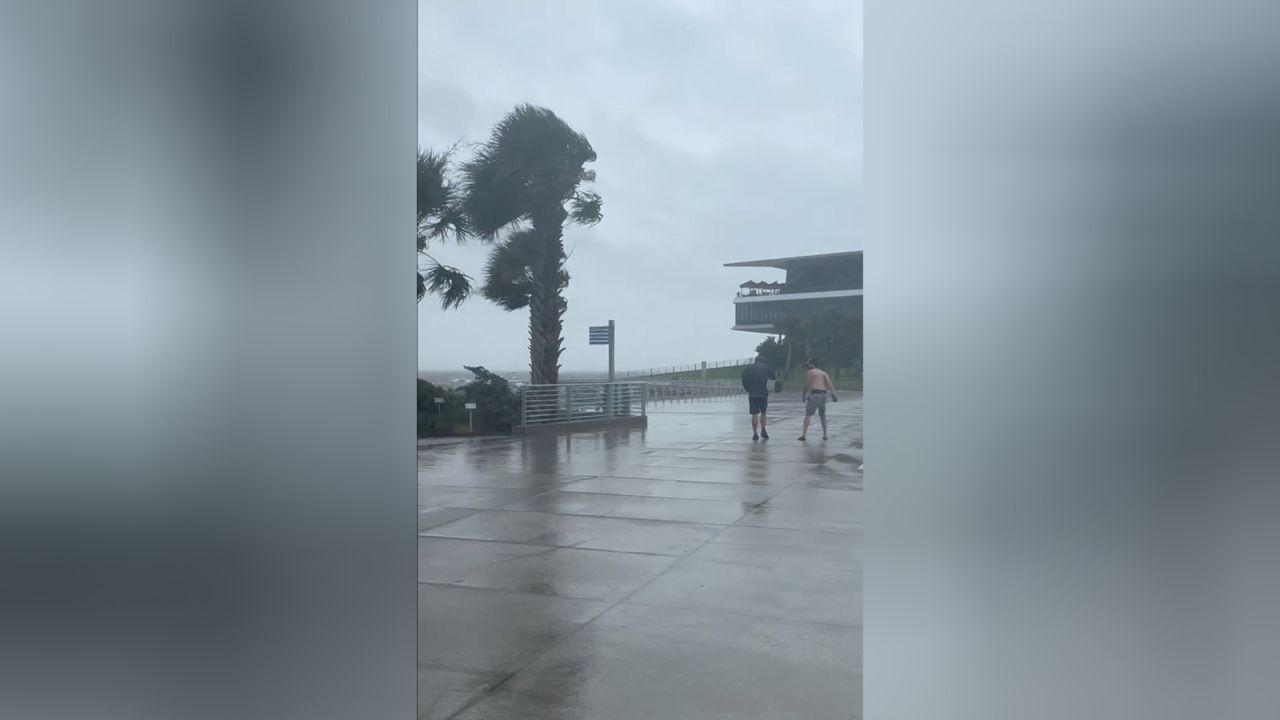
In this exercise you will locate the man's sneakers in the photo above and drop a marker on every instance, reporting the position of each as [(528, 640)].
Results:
[(764, 434), (754, 437)]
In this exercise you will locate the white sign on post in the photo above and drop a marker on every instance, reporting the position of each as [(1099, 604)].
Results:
[(471, 416), (470, 406)]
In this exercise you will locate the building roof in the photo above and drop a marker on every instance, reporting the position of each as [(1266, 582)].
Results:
[(786, 262)]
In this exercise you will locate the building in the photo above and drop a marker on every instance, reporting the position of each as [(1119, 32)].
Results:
[(813, 283)]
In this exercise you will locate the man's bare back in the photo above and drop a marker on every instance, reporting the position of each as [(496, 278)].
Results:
[(816, 379)]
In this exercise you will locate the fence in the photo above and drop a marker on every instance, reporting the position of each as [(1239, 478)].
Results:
[(581, 403), (674, 369), (608, 403), (680, 389)]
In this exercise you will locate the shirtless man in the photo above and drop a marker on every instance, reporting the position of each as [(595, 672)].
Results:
[(817, 386)]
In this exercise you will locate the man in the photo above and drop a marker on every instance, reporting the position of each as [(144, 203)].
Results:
[(817, 387), (755, 380)]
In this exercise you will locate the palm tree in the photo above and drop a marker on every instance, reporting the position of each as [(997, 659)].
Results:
[(439, 215), (508, 275), (525, 181)]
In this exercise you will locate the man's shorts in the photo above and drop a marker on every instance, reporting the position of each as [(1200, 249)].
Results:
[(759, 405), (817, 403)]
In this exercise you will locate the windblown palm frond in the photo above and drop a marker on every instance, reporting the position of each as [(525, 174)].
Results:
[(439, 207), (440, 215), (451, 284), (587, 208), (532, 159), (508, 275)]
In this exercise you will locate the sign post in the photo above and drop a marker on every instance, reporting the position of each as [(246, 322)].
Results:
[(471, 416), (605, 335), (611, 346)]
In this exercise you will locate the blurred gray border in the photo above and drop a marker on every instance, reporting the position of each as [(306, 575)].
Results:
[(206, 404)]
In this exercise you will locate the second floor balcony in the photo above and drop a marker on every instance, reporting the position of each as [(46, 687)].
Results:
[(755, 288), (762, 312)]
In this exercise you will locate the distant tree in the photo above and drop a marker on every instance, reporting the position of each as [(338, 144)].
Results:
[(787, 327), (526, 181), (797, 333), (497, 405), (833, 337), (773, 352), (439, 215), (436, 418)]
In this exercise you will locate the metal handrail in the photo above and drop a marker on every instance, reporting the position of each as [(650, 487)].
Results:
[(569, 403), (581, 402), (674, 369), (682, 389)]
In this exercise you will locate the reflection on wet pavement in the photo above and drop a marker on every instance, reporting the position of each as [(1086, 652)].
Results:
[(680, 571)]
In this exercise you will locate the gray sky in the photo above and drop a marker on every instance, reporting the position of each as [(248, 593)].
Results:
[(726, 130)]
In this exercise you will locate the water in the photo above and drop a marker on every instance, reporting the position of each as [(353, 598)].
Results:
[(455, 378)]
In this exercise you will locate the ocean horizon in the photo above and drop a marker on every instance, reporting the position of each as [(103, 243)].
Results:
[(454, 378)]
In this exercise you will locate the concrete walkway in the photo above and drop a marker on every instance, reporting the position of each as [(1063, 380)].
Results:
[(679, 572)]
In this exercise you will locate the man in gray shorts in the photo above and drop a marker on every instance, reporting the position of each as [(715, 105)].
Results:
[(817, 387)]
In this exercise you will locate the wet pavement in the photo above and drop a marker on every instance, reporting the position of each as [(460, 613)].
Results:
[(681, 571)]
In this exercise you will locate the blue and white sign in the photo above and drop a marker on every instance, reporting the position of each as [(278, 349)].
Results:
[(598, 335)]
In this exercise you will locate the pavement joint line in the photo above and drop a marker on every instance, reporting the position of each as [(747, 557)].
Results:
[(626, 495), (633, 477), (621, 601), (632, 517), (747, 616), (530, 543), (451, 668), (508, 591), (690, 482), (629, 517)]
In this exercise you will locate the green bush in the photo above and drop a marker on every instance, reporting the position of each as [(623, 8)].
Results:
[(774, 352), (442, 419), (497, 406)]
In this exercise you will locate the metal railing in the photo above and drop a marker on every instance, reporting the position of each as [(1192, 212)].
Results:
[(675, 369), (677, 389), (581, 402), (570, 403)]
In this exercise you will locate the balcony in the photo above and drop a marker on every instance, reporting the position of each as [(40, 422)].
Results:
[(754, 291), (781, 295), (755, 288), (761, 312)]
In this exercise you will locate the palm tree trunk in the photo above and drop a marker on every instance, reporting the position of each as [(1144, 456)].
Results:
[(546, 306), (534, 348)]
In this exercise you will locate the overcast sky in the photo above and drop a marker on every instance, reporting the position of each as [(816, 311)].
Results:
[(726, 130)]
